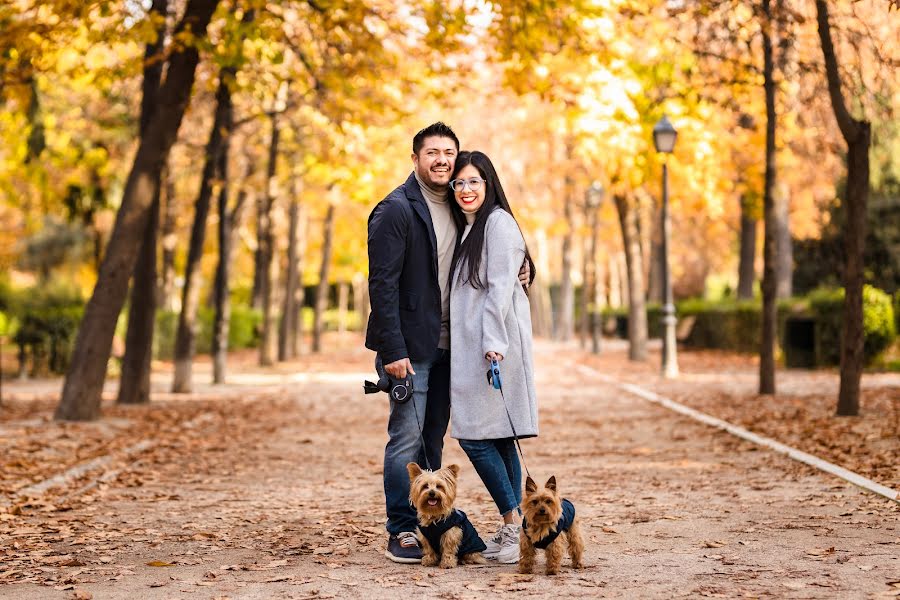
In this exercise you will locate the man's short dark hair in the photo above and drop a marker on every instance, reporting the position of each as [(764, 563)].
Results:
[(438, 129)]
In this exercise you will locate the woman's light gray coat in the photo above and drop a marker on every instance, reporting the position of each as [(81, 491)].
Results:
[(494, 318)]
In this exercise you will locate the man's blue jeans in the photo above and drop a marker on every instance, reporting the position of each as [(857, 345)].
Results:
[(429, 412), (498, 466)]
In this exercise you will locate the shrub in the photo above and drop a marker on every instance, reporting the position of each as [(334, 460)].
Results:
[(48, 317), (879, 326), (897, 311)]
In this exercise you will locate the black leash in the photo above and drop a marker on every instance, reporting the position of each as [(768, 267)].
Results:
[(422, 436), (495, 381)]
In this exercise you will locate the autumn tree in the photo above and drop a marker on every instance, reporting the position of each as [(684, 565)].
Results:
[(134, 382), (857, 135), (214, 174), (84, 380)]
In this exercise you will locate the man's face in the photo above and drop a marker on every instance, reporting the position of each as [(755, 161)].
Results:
[(434, 162)]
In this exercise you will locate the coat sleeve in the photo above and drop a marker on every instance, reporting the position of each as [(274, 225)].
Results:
[(388, 229), (505, 251)]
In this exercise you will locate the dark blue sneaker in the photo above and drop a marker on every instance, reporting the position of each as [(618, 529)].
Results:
[(404, 548)]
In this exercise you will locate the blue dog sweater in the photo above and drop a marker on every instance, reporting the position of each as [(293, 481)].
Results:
[(470, 542), (564, 523)]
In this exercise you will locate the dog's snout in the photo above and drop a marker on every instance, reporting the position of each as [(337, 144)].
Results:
[(431, 493)]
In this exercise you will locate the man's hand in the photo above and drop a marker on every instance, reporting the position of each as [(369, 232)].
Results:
[(525, 275), (398, 368), (494, 356)]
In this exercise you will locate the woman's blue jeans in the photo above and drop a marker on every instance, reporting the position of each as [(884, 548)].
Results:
[(498, 466)]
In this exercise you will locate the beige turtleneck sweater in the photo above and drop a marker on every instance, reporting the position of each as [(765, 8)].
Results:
[(445, 232)]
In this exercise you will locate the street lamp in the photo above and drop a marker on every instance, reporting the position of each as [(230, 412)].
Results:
[(664, 136), (593, 200)]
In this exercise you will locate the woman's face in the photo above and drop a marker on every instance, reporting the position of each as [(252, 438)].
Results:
[(469, 200)]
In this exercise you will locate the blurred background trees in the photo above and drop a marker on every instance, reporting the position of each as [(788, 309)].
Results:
[(298, 117)]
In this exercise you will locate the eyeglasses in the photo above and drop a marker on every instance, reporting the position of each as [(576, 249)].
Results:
[(474, 183)]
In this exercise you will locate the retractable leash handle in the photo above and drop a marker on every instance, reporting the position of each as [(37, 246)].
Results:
[(493, 377)]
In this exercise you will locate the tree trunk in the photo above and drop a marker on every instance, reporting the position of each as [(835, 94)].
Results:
[(343, 302), (259, 261), (637, 307), (566, 322), (591, 284), (784, 253), (622, 265), (769, 282), (134, 381), (266, 250), (185, 337), (296, 336), (747, 264), (614, 288), (584, 300), (654, 277), (539, 293), (643, 211), (82, 389), (287, 331), (361, 299), (228, 224), (858, 136), (322, 290), (599, 305), (166, 294)]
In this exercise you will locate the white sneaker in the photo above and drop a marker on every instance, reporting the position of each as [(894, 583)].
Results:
[(509, 546), (493, 544), (503, 546)]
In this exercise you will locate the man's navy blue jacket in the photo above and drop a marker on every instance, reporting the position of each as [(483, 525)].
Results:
[(403, 277)]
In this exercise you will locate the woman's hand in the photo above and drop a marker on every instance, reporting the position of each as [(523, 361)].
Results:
[(494, 356)]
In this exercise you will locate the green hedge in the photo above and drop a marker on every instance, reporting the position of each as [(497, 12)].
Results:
[(879, 325), (243, 330), (722, 325), (726, 325), (737, 325)]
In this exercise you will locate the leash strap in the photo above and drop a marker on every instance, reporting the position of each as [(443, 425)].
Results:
[(422, 435), (371, 388), (513, 427)]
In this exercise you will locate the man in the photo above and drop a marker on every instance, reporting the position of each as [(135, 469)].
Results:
[(411, 241)]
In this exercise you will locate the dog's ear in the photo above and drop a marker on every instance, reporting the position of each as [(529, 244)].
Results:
[(454, 469), (551, 483), (414, 470), (530, 486)]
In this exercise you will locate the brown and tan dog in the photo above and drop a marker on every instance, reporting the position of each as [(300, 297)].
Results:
[(549, 524), (446, 534)]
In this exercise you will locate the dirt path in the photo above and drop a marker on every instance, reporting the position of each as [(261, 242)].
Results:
[(279, 496)]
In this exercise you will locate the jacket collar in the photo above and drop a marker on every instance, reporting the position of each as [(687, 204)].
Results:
[(417, 201)]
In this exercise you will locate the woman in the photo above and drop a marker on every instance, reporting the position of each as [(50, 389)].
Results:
[(490, 319)]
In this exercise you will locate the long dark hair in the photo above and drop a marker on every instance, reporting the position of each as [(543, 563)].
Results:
[(469, 252)]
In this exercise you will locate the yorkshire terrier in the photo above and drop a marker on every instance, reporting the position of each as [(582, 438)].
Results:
[(549, 524), (447, 536)]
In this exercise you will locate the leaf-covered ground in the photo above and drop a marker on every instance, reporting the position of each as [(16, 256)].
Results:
[(270, 487)]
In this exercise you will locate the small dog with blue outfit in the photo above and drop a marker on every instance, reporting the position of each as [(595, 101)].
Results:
[(447, 536), (549, 524)]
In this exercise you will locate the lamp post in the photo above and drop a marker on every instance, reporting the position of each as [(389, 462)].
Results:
[(593, 200), (664, 136)]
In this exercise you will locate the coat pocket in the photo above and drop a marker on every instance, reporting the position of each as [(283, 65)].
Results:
[(408, 301)]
